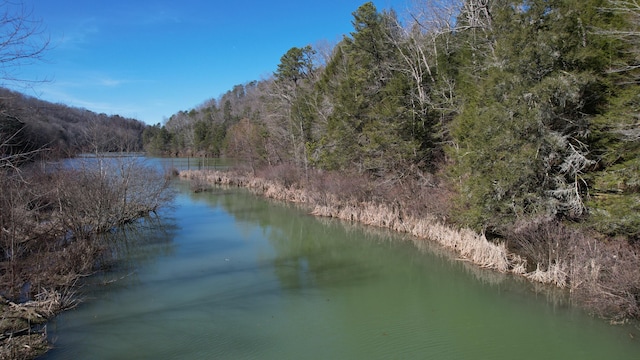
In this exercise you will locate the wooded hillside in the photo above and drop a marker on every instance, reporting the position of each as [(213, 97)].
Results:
[(527, 109), (29, 126)]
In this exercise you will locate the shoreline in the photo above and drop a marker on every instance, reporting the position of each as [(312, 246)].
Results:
[(599, 274), (52, 238), (465, 243), (23, 326)]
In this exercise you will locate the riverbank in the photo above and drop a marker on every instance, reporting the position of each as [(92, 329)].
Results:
[(468, 245), (51, 226), (600, 275), (23, 332)]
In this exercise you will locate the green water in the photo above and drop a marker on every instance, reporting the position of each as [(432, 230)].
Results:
[(227, 275)]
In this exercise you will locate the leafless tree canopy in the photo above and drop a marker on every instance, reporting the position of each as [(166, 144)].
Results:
[(23, 41)]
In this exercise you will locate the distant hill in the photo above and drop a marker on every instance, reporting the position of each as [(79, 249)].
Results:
[(28, 124)]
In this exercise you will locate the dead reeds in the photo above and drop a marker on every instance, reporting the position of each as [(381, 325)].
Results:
[(603, 276), (469, 245), (22, 330)]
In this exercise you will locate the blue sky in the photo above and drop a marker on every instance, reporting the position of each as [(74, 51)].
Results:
[(149, 59)]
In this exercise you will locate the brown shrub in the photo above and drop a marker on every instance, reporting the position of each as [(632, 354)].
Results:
[(602, 274), (606, 277), (347, 187), (543, 242), (49, 218), (286, 174)]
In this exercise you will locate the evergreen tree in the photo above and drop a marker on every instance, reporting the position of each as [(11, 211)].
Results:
[(614, 198), (293, 84), (522, 139), (367, 129)]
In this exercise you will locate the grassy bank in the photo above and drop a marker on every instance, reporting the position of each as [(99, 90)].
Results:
[(600, 274)]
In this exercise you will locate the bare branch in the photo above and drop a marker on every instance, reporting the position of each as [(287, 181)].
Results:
[(22, 40)]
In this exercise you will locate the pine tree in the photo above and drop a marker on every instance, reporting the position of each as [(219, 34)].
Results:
[(522, 145), (367, 130)]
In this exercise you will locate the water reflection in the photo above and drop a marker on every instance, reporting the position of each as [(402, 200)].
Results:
[(195, 163), (308, 254), (135, 245), (233, 276)]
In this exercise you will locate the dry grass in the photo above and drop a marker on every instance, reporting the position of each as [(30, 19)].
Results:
[(469, 245), (555, 274), (603, 276), (18, 338), (25, 347)]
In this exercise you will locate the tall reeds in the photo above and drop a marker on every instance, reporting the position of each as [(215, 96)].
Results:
[(601, 275), (469, 245)]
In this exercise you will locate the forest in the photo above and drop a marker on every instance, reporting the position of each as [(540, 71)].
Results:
[(518, 119), (36, 127)]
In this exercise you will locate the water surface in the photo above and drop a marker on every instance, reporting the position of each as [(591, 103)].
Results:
[(228, 275)]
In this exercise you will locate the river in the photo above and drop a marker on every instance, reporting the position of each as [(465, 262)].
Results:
[(229, 275)]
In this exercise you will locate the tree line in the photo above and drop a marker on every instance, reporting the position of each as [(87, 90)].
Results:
[(30, 126), (515, 118), (527, 109)]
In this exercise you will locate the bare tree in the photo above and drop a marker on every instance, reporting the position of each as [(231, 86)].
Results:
[(630, 35), (11, 153), (22, 41), (294, 78), (245, 142), (427, 36)]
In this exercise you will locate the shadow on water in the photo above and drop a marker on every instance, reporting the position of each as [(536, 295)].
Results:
[(225, 274), (307, 253), (319, 253), (132, 246)]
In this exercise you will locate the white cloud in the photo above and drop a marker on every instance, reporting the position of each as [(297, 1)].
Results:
[(108, 82), (94, 80), (58, 94), (78, 35)]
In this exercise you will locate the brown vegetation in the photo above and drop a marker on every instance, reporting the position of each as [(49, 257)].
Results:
[(347, 198), (34, 125), (605, 277), (20, 324), (50, 221), (601, 274)]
